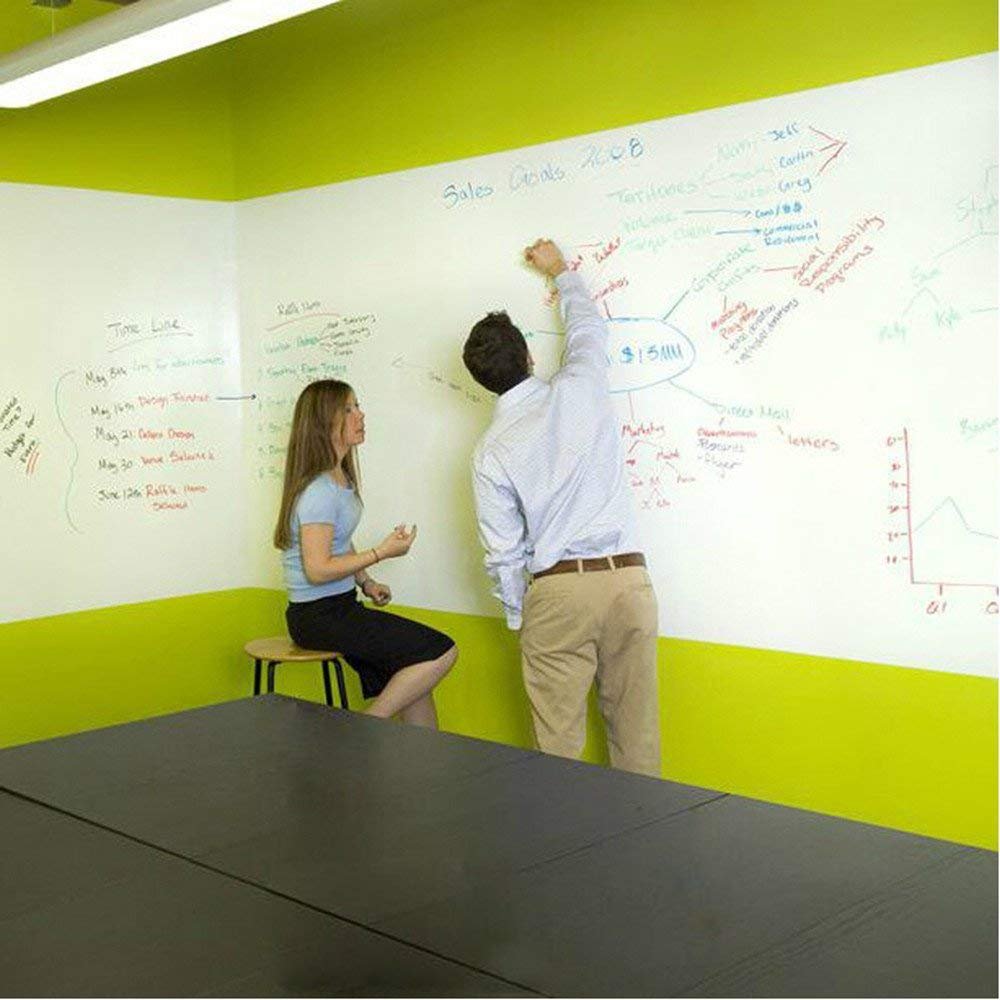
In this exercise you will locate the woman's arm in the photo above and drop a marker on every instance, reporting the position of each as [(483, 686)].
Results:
[(378, 593), (322, 567), (361, 577)]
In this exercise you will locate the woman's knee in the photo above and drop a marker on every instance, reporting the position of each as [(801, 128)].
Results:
[(447, 659)]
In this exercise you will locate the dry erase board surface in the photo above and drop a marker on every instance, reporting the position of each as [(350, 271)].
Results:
[(802, 301), (120, 458)]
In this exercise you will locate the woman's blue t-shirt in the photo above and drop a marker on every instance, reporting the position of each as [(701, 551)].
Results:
[(321, 502)]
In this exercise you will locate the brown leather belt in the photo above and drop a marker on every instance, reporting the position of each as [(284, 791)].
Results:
[(592, 565)]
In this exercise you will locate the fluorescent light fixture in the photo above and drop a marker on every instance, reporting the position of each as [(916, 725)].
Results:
[(142, 34)]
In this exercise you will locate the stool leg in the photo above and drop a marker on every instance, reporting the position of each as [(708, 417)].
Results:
[(270, 675), (326, 683), (256, 677), (341, 687)]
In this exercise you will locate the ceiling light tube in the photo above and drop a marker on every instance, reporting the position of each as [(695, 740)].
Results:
[(136, 36)]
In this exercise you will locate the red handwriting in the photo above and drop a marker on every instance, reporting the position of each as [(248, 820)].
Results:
[(815, 443), (734, 319), (821, 270), (725, 432), (607, 250), (748, 340), (168, 497), (641, 429), (175, 397), (613, 286), (146, 434)]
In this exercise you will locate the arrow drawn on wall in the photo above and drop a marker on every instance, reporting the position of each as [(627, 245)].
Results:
[(837, 145)]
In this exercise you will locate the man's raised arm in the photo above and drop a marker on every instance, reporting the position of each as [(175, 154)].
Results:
[(586, 331)]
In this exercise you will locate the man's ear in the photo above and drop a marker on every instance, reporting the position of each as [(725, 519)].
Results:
[(531, 364)]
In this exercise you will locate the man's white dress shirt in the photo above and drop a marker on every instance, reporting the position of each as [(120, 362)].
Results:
[(549, 473)]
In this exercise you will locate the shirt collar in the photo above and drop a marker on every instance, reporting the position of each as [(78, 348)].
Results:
[(519, 392)]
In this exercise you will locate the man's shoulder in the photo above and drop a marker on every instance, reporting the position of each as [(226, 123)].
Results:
[(482, 449), (489, 451)]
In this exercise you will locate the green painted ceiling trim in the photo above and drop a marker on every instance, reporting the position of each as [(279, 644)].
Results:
[(365, 88), (370, 86), (163, 131)]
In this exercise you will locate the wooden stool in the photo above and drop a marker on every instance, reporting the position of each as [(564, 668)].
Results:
[(281, 649)]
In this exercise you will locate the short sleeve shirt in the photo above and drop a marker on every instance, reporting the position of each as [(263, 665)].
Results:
[(321, 502)]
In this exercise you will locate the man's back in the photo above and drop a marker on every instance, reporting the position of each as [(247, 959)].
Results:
[(552, 501), (558, 445), (554, 448)]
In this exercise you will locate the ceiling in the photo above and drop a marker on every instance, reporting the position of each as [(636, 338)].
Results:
[(22, 23)]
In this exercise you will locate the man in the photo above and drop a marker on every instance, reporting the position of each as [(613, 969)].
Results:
[(552, 501)]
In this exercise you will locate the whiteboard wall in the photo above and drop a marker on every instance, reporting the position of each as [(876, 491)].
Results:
[(802, 295), (120, 460), (802, 300)]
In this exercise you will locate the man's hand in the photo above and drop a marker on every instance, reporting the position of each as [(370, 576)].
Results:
[(546, 257)]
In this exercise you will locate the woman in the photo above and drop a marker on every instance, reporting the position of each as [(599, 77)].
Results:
[(399, 661)]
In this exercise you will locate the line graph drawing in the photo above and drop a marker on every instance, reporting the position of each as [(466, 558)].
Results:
[(958, 511), (945, 530)]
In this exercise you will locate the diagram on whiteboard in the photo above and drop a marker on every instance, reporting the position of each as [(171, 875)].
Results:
[(801, 299), (787, 285)]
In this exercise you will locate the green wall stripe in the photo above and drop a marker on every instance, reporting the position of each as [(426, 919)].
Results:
[(67, 673), (911, 749)]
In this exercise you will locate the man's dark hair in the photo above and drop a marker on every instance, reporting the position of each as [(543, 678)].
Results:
[(496, 353)]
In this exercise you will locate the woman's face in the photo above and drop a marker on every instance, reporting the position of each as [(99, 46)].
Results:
[(352, 430)]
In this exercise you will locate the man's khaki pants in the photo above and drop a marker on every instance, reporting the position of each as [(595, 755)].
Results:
[(601, 626)]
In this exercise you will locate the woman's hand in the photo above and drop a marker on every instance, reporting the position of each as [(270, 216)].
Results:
[(378, 593), (396, 543)]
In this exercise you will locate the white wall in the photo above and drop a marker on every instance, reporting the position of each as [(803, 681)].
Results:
[(802, 303)]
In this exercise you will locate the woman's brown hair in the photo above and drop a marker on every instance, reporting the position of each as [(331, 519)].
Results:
[(319, 414)]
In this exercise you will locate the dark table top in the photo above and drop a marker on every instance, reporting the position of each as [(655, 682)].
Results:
[(488, 869), (88, 912)]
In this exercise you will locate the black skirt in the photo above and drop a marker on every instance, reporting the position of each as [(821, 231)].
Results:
[(376, 644)]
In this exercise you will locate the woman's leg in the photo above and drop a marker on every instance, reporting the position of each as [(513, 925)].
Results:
[(422, 712), (409, 691)]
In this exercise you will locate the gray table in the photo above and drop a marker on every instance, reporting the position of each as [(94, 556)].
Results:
[(276, 847)]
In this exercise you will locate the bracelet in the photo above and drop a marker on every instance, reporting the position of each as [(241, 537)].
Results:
[(376, 555)]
